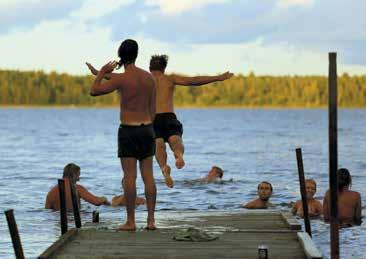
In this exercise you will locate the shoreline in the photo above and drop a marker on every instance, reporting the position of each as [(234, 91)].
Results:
[(188, 107)]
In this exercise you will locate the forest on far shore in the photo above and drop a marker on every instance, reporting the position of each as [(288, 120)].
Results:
[(36, 88)]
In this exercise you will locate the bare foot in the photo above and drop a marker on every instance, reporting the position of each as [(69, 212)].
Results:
[(168, 179), (150, 225), (179, 162), (127, 227)]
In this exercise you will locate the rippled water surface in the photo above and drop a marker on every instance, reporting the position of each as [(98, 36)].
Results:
[(250, 145)]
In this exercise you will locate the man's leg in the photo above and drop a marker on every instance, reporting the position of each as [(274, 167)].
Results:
[(161, 157), (146, 168), (129, 170), (176, 144)]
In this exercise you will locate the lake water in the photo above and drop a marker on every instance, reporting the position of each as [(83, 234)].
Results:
[(250, 145)]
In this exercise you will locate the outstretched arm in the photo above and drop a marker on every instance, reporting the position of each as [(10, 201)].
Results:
[(95, 71), (91, 198), (99, 88), (199, 80)]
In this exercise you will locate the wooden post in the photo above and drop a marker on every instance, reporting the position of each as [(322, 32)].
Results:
[(300, 168), (63, 212), (95, 216), (17, 245), (75, 204), (333, 155)]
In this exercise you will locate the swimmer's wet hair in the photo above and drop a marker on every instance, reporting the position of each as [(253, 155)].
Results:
[(270, 185), (219, 170), (158, 62), (344, 178), (70, 170)]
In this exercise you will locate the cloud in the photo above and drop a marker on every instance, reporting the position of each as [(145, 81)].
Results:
[(216, 23), (322, 26), (288, 3), (175, 7), (27, 14)]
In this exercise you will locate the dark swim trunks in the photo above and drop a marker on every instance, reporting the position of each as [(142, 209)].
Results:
[(136, 141), (166, 125)]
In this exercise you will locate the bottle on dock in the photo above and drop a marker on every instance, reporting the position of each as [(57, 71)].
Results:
[(262, 252)]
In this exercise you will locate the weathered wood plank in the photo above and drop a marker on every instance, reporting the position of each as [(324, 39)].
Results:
[(59, 244), (240, 234), (291, 222), (308, 245)]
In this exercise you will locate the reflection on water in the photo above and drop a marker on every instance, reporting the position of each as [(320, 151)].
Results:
[(250, 145)]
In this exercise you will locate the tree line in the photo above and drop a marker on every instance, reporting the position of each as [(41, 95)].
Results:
[(48, 89)]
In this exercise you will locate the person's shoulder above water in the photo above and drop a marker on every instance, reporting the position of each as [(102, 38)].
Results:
[(349, 202), (264, 190), (314, 206), (72, 173)]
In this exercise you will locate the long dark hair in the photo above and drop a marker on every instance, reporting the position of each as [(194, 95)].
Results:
[(344, 178), (127, 52), (70, 171)]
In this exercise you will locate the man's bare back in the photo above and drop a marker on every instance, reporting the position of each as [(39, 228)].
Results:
[(349, 202), (136, 88), (349, 207)]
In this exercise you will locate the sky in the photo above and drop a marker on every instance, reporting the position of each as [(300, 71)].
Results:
[(267, 37)]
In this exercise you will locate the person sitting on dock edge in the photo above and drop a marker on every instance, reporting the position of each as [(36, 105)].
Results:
[(264, 190), (314, 206), (72, 173), (136, 137), (349, 202)]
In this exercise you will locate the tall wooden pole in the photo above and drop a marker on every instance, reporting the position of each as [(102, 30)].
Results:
[(63, 212), (333, 155), (17, 245), (300, 168), (75, 204)]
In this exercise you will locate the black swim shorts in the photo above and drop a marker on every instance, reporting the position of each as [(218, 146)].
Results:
[(166, 125), (136, 141)]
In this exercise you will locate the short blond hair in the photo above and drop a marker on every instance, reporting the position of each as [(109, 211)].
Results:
[(311, 181)]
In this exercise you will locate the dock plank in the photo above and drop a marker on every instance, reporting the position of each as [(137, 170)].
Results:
[(240, 234)]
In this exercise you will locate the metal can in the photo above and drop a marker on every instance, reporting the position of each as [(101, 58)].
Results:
[(262, 252)]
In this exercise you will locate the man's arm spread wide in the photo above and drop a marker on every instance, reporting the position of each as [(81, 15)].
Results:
[(198, 80)]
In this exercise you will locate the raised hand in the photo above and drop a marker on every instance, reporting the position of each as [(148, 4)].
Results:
[(92, 69), (109, 67), (225, 76)]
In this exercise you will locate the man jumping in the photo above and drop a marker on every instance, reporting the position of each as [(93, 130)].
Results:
[(166, 125)]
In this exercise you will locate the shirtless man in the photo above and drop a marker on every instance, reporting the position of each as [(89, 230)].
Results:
[(214, 174), (264, 192), (72, 173), (349, 202), (314, 206), (136, 138), (166, 125)]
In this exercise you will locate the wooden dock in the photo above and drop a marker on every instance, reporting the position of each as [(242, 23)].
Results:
[(239, 235)]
